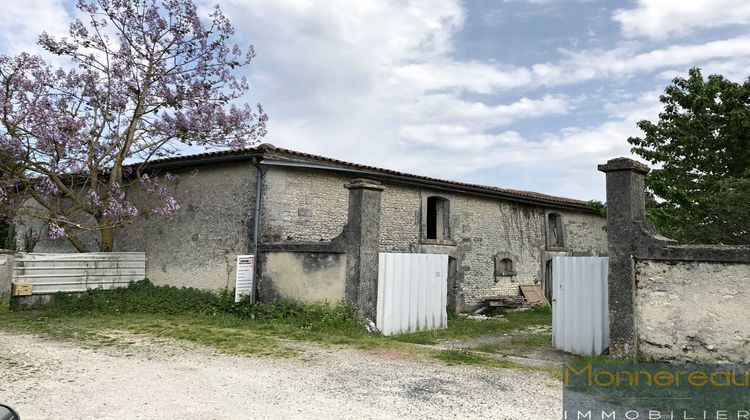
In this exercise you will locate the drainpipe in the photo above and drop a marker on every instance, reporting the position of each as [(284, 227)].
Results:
[(256, 222)]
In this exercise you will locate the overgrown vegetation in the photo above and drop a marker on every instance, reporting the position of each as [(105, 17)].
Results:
[(193, 315), (206, 318), (29, 240), (598, 206), (9, 241), (8, 236), (144, 298)]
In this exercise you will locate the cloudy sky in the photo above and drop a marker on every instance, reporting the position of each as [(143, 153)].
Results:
[(525, 94)]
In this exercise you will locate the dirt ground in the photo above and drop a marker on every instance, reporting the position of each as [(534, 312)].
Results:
[(152, 378), (514, 344)]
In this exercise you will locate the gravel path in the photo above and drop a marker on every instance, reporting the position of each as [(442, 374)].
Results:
[(160, 379)]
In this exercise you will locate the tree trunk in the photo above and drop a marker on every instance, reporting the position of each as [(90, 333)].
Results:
[(77, 244), (107, 239)]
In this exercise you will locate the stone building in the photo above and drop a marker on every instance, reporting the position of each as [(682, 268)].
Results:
[(496, 238)]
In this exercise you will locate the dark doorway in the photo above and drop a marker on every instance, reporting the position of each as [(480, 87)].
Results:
[(437, 218)]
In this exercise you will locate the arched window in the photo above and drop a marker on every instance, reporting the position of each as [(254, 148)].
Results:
[(505, 266), (438, 218), (555, 231)]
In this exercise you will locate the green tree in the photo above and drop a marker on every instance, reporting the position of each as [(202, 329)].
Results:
[(700, 189)]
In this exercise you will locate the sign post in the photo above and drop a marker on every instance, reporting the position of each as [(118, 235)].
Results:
[(245, 274)]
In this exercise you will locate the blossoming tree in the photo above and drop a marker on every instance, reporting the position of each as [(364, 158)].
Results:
[(148, 79)]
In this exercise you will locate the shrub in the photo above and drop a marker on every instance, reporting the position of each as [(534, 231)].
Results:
[(139, 297), (144, 297)]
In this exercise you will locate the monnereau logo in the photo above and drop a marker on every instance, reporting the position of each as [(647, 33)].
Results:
[(656, 391), (625, 376)]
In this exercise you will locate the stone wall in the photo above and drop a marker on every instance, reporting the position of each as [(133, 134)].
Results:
[(303, 276), (585, 233), (693, 310), (400, 219), (198, 246), (302, 204), (6, 277), (483, 227), (670, 301), (310, 205)]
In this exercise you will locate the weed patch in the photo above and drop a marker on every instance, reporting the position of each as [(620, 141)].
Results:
[(215, 320), (193, 315)]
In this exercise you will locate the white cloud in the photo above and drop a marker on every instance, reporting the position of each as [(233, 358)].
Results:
[(21, 22), (579, 66), (554, 163), (448, 109), (333, 92), (737, 70), (660, 19), (379, 82)]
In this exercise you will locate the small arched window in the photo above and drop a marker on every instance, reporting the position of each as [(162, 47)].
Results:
[(505, 266), (438, 218)]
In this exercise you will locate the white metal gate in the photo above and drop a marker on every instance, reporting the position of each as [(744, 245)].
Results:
[(70, 273), (580, 309), (412, 292)]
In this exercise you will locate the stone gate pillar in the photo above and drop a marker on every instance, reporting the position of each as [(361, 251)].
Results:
[(362, 246), (626, 216)]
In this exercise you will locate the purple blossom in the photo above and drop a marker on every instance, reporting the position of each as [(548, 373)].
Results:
[(169, 208), (73, 120), (94, 198), (47, 187), (54, 231), (117, 207)]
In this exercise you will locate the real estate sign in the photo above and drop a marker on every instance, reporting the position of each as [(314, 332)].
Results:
[(245, 270)]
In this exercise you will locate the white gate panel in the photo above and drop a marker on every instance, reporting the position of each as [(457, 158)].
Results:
[(70, 273), (412, 292), (580, 309)]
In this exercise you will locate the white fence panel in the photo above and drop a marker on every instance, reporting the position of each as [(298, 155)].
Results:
[(52, 273), (412, 292), (580, 309)]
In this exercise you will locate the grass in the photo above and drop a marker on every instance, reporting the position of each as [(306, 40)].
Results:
[(521, 346), (215, 320), (469, 357), (460, 327), (226, 333)]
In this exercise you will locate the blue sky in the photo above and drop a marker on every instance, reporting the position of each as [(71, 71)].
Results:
[(525, 94)]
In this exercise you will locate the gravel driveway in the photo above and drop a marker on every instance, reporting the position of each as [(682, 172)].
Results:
[(153, 378)]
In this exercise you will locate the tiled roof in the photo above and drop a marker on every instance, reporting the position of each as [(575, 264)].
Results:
[(270, 152)]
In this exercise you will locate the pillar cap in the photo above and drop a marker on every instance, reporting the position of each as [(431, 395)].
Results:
[(624, 164), (363, 183)]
